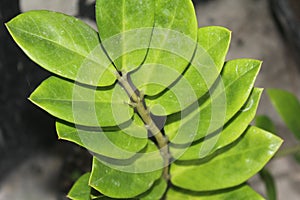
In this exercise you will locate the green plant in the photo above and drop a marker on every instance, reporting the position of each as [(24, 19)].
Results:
[(152, 98), (287, 106)]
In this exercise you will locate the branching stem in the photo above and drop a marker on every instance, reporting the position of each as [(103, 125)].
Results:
[(138, 101)]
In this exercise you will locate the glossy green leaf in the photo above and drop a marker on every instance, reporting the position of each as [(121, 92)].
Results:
[(269, 182), (243, 192), (288, 107), (172, 46), (83, 105), (127, 179), (118, 144), (231, 132), (157, 191), (246, 156), (264, 122), (81, 189), (229, 95), (216, 41), (114, 19), (213, 44), (62, 45)]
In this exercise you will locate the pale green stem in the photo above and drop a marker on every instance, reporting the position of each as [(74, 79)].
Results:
[(138, 102)]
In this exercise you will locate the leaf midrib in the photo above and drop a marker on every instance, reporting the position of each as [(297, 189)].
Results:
[(67, 100), (123, 36), (57, 43), (158, 54)]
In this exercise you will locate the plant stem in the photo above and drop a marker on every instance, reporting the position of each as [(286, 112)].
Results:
[(288, 151), (138, 101)]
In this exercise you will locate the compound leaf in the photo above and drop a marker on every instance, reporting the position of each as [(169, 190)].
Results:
[(228, 96), (288, 107), (241, 192), (157, 45), (246, 156), (83, 105), (81, 189), (127, 178), (118, 144), (62, 45), (231, 132)]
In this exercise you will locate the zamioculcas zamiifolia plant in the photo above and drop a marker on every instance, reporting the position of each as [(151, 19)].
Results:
[(151, 97)]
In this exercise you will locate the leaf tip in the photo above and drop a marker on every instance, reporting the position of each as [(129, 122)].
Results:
[(31, 99), (259, 90), (8, 26)]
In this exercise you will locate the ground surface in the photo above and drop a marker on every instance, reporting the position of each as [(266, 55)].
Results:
[(255, 35)]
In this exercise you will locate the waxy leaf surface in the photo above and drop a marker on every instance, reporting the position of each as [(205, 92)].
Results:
[(63, 45), (82, 105), (229, 95), (118, 144), (127, 179), (231, 132), (81, 189), (243, 192), (247, 156), (157, 191), (118, 23), (172, 46), (179, 72), (206, 65)]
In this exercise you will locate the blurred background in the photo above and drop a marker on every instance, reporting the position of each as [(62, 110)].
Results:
[(34, 165)]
